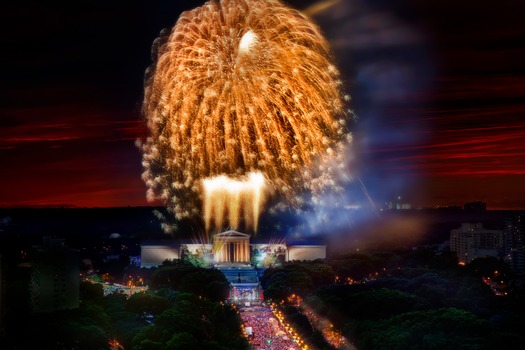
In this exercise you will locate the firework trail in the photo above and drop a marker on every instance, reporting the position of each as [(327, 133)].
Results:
[(222, 193), (239, 87)]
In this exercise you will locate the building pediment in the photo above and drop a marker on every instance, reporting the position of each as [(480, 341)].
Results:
[(231, 234)]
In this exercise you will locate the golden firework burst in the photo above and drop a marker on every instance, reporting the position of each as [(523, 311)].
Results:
[(242, 86)]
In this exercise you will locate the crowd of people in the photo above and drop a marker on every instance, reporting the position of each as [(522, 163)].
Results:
[(266, 332)]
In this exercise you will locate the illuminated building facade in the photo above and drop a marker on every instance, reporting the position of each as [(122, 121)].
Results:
[(472, 241), (305, 251), (235, 256), (230, 247), (54, 277)]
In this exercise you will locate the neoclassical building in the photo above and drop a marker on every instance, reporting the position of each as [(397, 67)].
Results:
[(231, 247), (235, 256)]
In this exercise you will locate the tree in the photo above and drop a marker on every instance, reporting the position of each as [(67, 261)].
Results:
[(197, 323), (146, 303), (93, 292), (207, 283), (447, 328), (320, 272), (280, 282)]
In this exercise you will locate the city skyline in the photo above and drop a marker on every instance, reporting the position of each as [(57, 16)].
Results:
[(437, 88)]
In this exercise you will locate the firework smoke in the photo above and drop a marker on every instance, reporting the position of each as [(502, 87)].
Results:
[(242, 86)]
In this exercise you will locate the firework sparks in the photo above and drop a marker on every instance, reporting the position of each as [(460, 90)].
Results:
[(222, 193), (237, 87)]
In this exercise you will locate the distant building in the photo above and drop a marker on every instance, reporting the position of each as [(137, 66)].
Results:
[(515, 243), (475, 206), (305, 251), (398, 204), (54, 276), (231, 246), (472, 241)]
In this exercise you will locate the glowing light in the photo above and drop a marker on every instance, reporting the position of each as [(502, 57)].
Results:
[(224, 195), (242, 86), (248, 41)]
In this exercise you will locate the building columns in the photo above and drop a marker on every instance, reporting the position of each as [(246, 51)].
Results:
[(232, 250)]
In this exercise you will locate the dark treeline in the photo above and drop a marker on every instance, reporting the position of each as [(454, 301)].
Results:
[(183, 309), (413, 299)]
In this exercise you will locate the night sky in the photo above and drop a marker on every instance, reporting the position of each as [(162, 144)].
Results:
[(438, 87)]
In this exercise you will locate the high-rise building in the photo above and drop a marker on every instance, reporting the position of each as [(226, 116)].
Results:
[(515, 243), (54, 277), (472, 241)]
